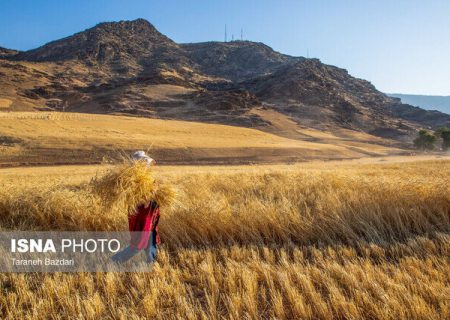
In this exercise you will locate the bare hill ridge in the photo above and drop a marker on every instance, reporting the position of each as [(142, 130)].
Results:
[(129, 67), (106, 42)]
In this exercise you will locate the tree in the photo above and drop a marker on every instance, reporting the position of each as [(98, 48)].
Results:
[(444, 134), (425, 140)]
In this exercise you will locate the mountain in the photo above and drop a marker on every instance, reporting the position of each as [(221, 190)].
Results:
[(237, 60), (125, 48), (318, 95), (106, 42), (129, 67), (439, 103)]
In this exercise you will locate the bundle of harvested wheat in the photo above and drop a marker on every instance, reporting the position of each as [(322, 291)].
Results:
[(125, 186), (164, 195)]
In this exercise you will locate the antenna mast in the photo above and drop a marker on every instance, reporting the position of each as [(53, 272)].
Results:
[(242, 32), (225, 33)]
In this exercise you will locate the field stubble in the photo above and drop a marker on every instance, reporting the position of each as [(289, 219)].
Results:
[(50, 138), (299, 242)]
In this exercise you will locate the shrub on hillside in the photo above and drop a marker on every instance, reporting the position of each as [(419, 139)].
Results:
[(425, 140)]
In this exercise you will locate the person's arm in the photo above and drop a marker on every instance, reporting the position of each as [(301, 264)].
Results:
[(132, 218), (155, 221)]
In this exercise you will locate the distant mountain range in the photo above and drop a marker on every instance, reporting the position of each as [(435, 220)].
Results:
[(439, 103), (129, 67)]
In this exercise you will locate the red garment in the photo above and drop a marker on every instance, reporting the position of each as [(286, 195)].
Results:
[(143, 221)]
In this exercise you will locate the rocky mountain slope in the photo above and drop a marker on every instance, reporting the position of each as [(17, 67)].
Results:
[(129, 67), (321, 95), (237, 60), (124, 46)]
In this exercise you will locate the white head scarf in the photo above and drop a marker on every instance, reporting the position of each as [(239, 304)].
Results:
[(141, 155)]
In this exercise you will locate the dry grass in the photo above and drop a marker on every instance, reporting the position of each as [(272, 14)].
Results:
[(314, 241), (5, 103), (86, 130), (55, 138)]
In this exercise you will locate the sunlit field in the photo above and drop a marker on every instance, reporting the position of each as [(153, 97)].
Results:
[(306, 241), (49, 138)]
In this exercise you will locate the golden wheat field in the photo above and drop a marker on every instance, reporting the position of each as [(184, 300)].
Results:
[(74, 138), (305, 241)]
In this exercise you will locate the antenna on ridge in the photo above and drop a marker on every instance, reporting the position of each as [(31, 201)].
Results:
[(242, 32), (225, 33)]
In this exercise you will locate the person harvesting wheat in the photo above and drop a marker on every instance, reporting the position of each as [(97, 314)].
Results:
[(142, 224)]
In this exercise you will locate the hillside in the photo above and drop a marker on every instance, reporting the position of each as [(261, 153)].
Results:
[(129, 67), (427, 102), (105, 44), (237, 60), (28, 138), (325, 96)]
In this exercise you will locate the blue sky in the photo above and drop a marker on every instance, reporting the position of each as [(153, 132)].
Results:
[(398, 45)]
